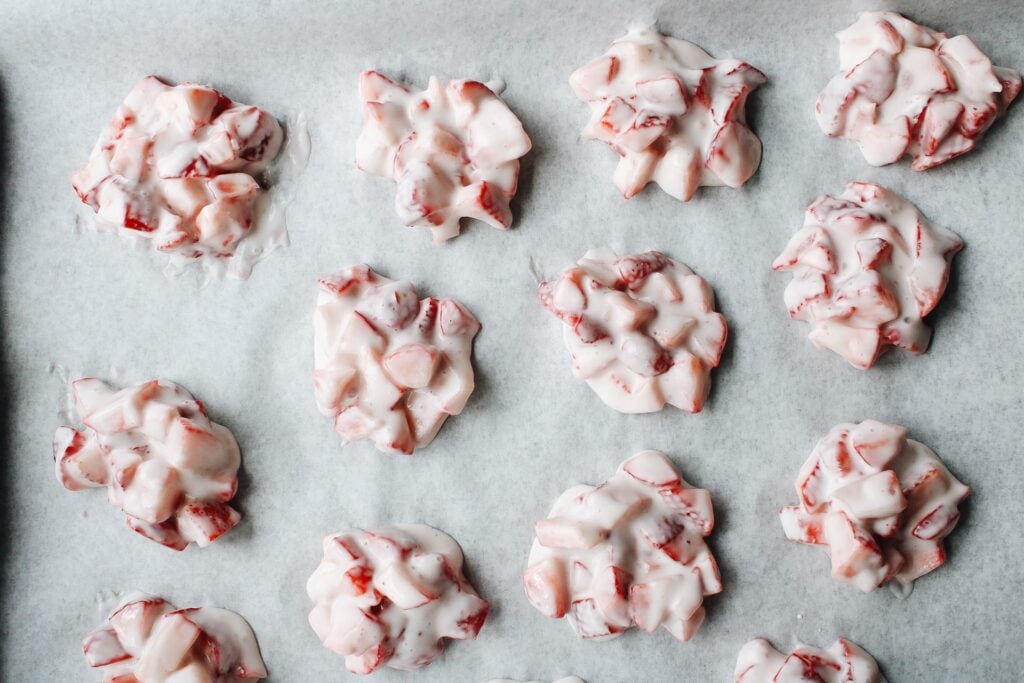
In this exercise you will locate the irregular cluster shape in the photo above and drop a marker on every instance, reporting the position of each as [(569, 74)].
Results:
[(905, 89), (867, 268), (148, 640), (641, 329), (389, 367), (453, 150), (878, 503), (390, 596), (164, 463), (630, 552), (176, 166), (842, 662), (674, 115)]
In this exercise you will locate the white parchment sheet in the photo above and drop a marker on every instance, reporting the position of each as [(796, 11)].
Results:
[(90, 304)]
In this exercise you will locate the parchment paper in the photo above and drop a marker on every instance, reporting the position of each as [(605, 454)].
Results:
[(530, 430)]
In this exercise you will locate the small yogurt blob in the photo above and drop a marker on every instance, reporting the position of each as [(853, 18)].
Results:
[(867, 268), (842, 662), (390, 596), (453, 150), (390, 367), (906, 89), (148, 640), (630, 552), (164, 463), (674, 115), (878, 503), (641, 329), (176, 166)]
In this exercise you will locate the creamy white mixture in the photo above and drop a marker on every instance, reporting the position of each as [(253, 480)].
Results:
[(906, 89), (454, 151), (390, 596), (675, 115), (389, 366), (641, 329), (147, 640), (164, 463), (842, 662), (867, 268), (630, 552), (176, 166), (878, 503)]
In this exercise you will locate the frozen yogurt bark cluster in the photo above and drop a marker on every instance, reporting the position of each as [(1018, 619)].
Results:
[(177, 166), (842, 662), (453, 150), (390, 596), (906, 89), (162, 460)]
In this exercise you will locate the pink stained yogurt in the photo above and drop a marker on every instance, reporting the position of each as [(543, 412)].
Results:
[(842, 662)]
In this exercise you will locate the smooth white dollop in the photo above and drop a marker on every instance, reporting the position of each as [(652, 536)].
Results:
[(390, 596), (630, 552), (906, 89), (878, 503), (388, 366), (176, 166), (675, 115), (641, 329), (148, 640), (454, 151), (867, 268), (842, 662), (163, 461)]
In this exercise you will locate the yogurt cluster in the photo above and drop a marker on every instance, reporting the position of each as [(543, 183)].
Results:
[(905, 89), (390, 367), (641, 329), (389, 597), (148, 640), (674, 115), (453, 150), (630, 552), (164, 463), (176, 166), (867, 267), (878, 502), (842, 662)]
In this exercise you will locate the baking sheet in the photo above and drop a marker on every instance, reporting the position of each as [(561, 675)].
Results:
[(530, 430)]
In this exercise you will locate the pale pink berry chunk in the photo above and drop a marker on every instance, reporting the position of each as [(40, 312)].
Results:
[(642, 329), (842, 662), (162, 460), (148, 640), (453, 150), (675, 115), (390, 596), (867, 268), (178, 166), (389, 366), (905, 89), (629, 552), (878, 503)]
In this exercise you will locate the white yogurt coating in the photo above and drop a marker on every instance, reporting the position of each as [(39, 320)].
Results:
[(453, 150), (906, 89), (164, 463), (842, 662), (148, 640), (867, 268), (630, 552), (674, 114), (389, 367), (878, 503), (641, 329), (176, 166), (390, 596)]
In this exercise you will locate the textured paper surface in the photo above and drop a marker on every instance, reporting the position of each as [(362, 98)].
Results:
[(531, 430)]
